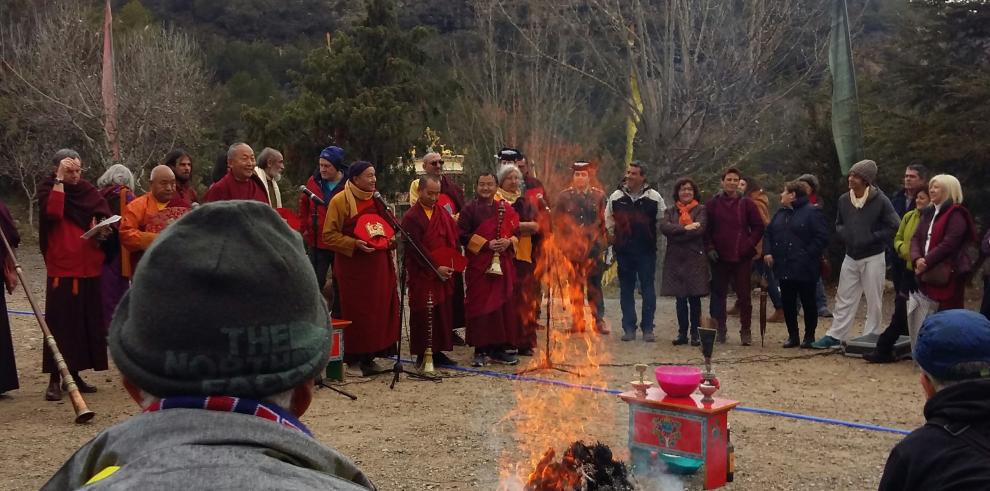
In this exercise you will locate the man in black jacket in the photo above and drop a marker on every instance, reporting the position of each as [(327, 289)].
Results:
[(952, 450), (866, 222), (631, 217)]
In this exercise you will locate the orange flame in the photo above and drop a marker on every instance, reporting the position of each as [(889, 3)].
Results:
[(547, 419)]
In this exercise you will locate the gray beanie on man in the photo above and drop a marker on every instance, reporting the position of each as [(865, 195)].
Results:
[(867, 169), (223, 303)]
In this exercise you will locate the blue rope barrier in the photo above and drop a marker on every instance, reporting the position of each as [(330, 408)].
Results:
[(604, 390), (748, 409), (20, 312)]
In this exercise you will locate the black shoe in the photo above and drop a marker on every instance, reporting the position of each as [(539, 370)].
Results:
[(879, 357), (792, 343), (441, 359), (504, 358), (681, 340), (479, 360), (807, 342), (648, 337), (629, 336), (369, 368), (695, 338), (525, 352)]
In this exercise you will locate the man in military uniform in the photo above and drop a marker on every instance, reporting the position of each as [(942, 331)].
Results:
[(579, 230)]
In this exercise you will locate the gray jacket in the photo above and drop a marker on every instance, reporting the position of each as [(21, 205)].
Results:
[(869, 230), (199, 449)]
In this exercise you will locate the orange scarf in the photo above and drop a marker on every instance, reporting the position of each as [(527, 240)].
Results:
[(685, 211)]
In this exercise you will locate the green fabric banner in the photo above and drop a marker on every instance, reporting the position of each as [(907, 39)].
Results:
[(846, 127)]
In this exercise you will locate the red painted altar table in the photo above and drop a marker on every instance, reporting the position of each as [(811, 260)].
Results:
[(335, 367), (660, 425)]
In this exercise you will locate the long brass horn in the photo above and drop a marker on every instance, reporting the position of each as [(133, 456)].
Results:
[(83, 414)]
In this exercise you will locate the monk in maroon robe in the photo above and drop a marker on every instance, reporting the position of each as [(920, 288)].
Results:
[(451, 199), (525, 287), (489, 312), (73, 307), (8, 369), (434, 231), (366, 274), (240, 182)]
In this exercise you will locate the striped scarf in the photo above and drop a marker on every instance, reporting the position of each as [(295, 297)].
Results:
[(227, 404)]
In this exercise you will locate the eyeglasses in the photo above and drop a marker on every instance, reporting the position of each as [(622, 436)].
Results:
[(435, 162)]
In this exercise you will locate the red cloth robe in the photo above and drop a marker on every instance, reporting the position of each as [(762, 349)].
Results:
[(186, 191), (229, 188), (368, 293), (73, 299), (430, 233), (490, 315)]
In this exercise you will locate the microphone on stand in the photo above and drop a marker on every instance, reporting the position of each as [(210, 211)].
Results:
[(312, 195), (381, 199)]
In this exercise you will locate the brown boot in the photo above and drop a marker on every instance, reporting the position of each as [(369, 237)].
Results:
[(721, 335), (778, 316), (54, 391)]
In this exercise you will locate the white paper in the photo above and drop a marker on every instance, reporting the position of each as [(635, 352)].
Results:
[(96, 228)]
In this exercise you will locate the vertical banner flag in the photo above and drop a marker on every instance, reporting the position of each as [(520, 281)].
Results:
[(846, 127), (108, 88)]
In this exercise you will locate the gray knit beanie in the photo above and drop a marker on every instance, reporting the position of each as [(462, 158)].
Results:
[(867, 169), (811, 180), (223, 303)]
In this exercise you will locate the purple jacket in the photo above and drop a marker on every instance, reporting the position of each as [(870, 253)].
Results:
[(734, 227)]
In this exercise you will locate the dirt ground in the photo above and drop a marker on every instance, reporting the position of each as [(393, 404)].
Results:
[(453, 435)]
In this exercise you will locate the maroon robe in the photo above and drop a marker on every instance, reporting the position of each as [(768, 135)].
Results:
[(73, 300), (229, 188), (490, 315), (429, 233), (8, 369), (368, 295), (526, 289)]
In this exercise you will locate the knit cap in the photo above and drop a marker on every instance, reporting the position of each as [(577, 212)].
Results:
[(334, 155), (811, 180), (867, 169), (224, 303), (954, 345)]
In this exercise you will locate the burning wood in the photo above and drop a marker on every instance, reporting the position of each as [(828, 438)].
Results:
[(581, 468)]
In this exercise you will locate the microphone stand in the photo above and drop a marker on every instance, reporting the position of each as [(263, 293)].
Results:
[(315, 215), (397, 368)]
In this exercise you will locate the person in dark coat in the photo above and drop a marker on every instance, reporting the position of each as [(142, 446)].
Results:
[(8, 368), (792, 244), (685, 266), (985, 250), (952, 449)]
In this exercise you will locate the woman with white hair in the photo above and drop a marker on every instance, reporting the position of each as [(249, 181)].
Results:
[(526, 301), (116, 185), (941, 252)]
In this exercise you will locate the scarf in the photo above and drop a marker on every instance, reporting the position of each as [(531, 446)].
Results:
[(507, 196), (351, 196), (83, 203), (859, 203), (685, 211), (227, 404)]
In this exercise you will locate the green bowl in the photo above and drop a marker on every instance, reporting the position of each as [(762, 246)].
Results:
[(681, 465)]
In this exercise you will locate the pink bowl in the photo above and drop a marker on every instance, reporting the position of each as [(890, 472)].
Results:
[(678, 381)]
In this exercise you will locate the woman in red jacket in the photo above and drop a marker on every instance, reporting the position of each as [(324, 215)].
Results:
[(937, 252)]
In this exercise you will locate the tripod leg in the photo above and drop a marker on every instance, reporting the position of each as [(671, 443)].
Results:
[(339, 391)]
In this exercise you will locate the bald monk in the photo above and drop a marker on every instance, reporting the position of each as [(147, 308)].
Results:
[(146, 216), (241, 182)]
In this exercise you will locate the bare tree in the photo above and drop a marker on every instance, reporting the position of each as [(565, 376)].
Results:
[(708, 71), (50, 64)]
